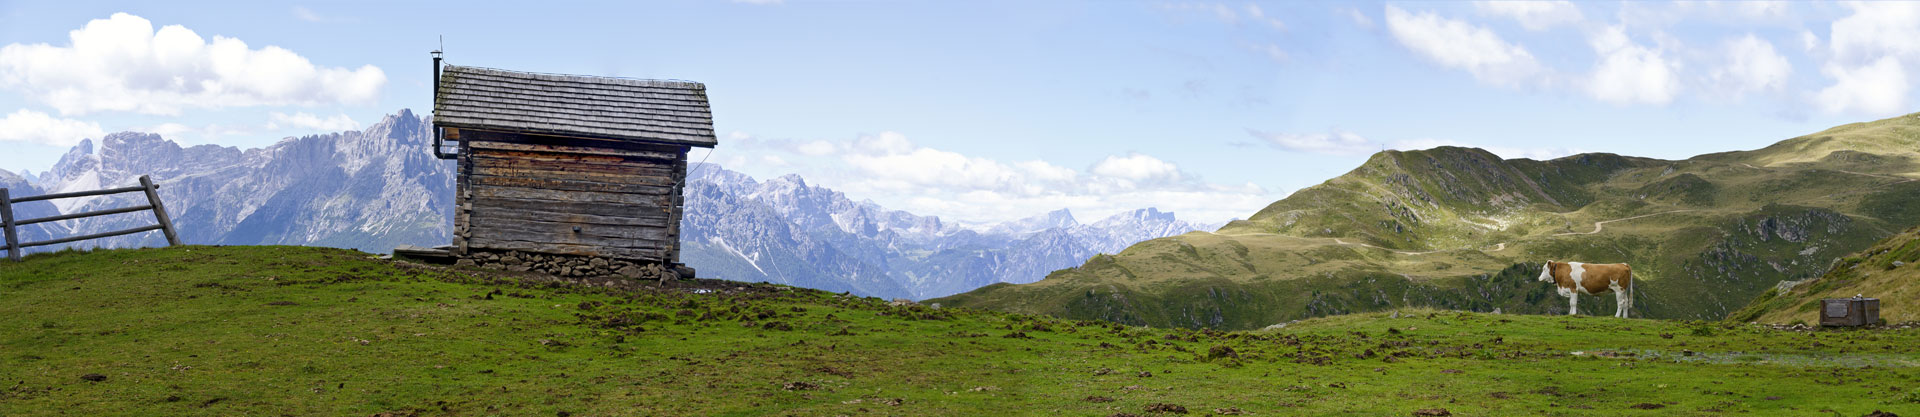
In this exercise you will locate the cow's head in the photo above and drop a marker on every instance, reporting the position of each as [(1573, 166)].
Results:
[(1546, 272)]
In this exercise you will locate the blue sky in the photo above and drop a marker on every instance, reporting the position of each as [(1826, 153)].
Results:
[(987, 111)]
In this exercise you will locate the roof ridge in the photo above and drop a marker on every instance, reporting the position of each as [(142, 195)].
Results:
[(632, 81), (664, 111)]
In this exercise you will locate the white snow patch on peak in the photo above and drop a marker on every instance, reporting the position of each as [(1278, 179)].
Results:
[(751, 260), (87, 181)]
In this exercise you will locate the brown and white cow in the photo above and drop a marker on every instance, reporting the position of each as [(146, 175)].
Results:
[(1576, 278)]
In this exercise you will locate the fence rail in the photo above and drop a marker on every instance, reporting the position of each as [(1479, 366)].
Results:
[(146, 185)]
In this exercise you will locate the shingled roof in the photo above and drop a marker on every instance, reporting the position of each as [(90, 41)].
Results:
[(673, 112)]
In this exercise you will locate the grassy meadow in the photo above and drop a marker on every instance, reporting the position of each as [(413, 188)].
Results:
[(203, 330)]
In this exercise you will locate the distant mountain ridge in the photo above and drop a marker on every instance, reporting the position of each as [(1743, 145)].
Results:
[(364, 189), (784, 230), (379, 187)]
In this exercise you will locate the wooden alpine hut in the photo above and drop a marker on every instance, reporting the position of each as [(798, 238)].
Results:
[(568, 165)]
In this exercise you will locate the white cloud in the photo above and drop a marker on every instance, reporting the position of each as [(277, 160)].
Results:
[(1461, 45), (1809, 41), (888, 161), (1533, 15), (189, 135), (817, 148), (36, 127), (122, 64), (1876, 29), (1752, 65), (1333, 142), (302, 120), (166, 130), (885, 143), (1137, 168), (1879, 88), (1347, 143), (1870, 52), (1629, 73), (899, 173), (1047, 173)]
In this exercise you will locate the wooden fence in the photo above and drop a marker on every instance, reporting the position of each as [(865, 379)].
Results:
[(146, 184)]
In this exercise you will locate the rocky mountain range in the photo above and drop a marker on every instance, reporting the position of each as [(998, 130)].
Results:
[(366, 190), (786, 231), (378, 188)]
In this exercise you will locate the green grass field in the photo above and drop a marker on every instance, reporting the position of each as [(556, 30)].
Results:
[(309, 331)]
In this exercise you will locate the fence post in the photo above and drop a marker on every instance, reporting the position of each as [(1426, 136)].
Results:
[(6, 217), (159, 212)]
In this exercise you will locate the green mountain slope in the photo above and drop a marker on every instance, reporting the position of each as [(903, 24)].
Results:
[(274, 330), (1437, 227), (1890, 271)]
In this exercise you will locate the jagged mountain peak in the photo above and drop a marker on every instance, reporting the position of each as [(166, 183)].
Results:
[(794, 179), (1145, 214), (1057, 219), (1061, 215), (134, 141)]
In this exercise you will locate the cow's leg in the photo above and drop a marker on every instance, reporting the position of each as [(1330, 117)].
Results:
[(1626, 305), (1619, 310), (1573, 305)]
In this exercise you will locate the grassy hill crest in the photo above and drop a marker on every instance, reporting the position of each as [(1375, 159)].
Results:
[(1431, 227)]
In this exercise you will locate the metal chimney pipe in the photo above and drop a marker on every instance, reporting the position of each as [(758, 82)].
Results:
[(439, 135)]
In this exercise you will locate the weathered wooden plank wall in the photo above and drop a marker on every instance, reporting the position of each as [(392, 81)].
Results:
[(575, 196)]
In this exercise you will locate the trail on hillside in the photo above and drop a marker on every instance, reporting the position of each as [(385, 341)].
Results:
[(1903, 179), (1597, 226), (1337, 240), (1891, 177)]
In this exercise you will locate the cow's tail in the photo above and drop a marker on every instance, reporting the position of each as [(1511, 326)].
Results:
[(1630, 280)]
